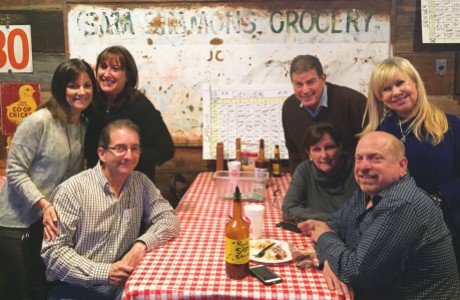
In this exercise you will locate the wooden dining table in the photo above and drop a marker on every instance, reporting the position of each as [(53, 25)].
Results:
[(192, 266)]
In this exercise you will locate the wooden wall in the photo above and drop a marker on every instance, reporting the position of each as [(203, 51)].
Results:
[(46, 19), (407, 44)]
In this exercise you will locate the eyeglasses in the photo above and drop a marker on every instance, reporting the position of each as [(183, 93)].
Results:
[(120, 150)]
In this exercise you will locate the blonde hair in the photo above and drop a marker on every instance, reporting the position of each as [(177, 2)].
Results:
[(429, 122)]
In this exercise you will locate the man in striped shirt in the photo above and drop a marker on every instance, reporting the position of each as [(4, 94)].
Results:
[(100, 213)]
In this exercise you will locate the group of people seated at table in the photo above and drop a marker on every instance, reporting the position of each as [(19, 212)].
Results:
[(390, 229), (375, 183)]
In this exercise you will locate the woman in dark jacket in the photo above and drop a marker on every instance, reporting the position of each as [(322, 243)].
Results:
[(117, 75)]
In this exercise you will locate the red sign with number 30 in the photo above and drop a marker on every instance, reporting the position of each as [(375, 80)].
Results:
[(15, 48)]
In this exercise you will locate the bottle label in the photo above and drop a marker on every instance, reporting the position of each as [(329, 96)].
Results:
[(276, 169), (236, 251)]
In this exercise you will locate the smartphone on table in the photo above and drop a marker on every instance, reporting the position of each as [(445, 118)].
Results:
[(264, 274), (289, 226)]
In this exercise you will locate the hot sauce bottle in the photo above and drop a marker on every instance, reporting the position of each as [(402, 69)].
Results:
[(237, 241)]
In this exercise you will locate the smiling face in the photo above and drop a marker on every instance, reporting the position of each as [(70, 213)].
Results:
[(79, 94), (400, 95), (308, 87), (325, 154), (378, 163), (118, 166), (111, 76)]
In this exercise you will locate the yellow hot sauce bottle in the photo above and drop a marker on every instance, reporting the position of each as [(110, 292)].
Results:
[(237, 242)]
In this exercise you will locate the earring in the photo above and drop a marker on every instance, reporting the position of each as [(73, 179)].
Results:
[(386, 111)]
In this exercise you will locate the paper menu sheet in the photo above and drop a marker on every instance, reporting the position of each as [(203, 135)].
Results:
[(440, 21), (248, 112)]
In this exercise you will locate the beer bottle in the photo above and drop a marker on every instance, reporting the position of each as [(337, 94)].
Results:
[(276, 164), (261, 165), (237, 242)]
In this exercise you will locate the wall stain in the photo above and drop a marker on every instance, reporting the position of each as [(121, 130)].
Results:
[(216, 41)]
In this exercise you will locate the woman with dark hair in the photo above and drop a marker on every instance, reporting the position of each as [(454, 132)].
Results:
[(321, 185), (46, 149), (117, 75)]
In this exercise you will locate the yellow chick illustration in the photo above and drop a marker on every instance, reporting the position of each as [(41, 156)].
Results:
[(26, 104)]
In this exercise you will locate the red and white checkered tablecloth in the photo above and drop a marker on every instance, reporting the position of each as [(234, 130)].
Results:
[(193, 265)]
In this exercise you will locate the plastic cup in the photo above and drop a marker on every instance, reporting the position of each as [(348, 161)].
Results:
[(255, 214), (234, 168)]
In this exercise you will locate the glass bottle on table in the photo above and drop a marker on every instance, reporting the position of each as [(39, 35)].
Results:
[(219, 156), (238, 149), (237, 241), (276, 164), (261, 164)]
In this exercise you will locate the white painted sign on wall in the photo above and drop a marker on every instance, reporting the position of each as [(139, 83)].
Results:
[(179, 50)]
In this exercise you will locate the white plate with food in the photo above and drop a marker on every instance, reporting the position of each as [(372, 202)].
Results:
[(278, 253)]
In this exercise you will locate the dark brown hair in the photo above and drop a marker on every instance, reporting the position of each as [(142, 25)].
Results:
[(104, 140), (315, 133), (305, 63), (127, 63), (65, 73)]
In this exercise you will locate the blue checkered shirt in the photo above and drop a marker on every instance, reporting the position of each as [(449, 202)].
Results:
[(400, 248)]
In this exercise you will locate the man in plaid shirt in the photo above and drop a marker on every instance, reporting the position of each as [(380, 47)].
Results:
[(389, 241), (100, 214)]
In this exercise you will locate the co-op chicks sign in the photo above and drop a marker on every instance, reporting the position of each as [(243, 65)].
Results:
[(179, 48), (17, 101)]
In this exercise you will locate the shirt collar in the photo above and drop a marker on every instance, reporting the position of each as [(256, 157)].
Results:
[(392, 191), (103, 180), (375, 200), (322, 103)]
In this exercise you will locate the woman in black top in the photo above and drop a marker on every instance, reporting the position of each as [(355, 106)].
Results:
[(117, 75)]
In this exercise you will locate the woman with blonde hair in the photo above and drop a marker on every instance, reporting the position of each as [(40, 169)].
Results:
[(398, 104)]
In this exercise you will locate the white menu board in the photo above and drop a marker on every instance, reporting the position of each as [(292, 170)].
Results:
[(440, 21), (247, 112)]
